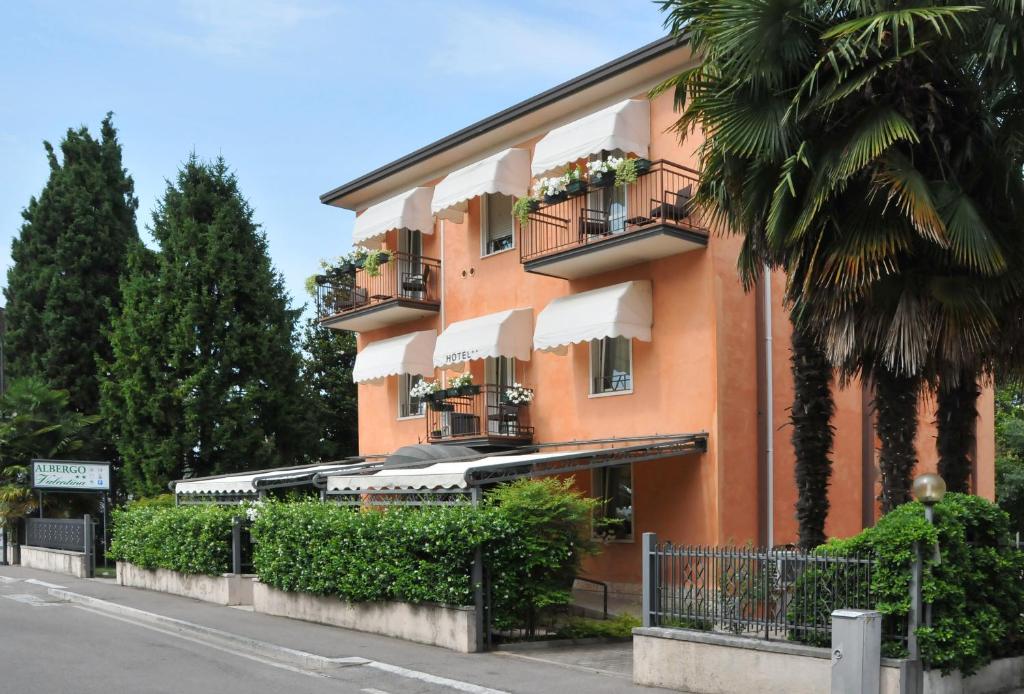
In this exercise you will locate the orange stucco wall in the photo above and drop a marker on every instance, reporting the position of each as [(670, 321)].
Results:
[(699, 373)]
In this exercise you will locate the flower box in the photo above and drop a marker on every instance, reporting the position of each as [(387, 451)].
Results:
[(576, 187), (603, 179), (557, 197), (643, 165)]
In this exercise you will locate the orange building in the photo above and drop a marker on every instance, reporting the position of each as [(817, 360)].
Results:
[(656, 380)]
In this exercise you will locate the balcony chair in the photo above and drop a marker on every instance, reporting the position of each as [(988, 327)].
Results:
[(675, 211), (416, 281), (593, 223), (506, 418)]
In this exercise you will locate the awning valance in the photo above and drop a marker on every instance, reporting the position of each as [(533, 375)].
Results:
[(621, 310), (507, 173), (251, 482), (405, 354), (625, 126), (501, 334), (410, 210)]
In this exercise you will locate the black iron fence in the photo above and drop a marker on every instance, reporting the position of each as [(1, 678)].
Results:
[(476, 412), (403, 277), (662, 195), (785, 594), (68, 534)]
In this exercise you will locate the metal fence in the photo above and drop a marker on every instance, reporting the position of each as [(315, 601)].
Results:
[(57, 533), (785, 594)]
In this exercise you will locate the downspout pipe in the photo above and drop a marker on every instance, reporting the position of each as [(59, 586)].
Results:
[(769, 414)]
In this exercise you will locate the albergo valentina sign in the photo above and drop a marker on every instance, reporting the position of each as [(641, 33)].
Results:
[(70, 474)]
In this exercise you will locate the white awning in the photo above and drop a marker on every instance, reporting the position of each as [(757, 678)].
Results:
[(405, 354), (439, 477), (507, 173), (502, 334), (410, 210), (621, 310), (246, 483), (625, 126)]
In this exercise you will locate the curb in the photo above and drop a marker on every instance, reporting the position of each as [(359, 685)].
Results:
[(302, 659)]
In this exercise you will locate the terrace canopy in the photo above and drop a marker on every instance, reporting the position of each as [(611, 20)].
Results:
[(462, 476), (410, 210), (238, 487), (619, 310), (625, 126), (405, 354), (506, 172), (501, 334)]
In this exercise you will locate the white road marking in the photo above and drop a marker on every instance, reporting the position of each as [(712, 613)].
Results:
[(9, 579), (27, 599), (371, 690), (37, 582), (434, 679)]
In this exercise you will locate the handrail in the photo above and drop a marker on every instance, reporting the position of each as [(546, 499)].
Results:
[(404, 277)]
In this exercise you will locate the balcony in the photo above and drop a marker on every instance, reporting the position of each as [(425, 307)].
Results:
[(613, 227), (481, 418), (406, 288)]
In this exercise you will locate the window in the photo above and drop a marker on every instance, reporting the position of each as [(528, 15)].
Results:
[(611, 366), (607, 206), (497, 225), (613, 486), (500, 372), (408, 406)]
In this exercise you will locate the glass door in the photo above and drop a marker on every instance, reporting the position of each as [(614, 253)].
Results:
[(499, 374), (412, 280)]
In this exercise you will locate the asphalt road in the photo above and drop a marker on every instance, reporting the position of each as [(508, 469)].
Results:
[(51, 646)]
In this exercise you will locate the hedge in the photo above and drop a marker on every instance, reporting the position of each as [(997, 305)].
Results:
[(976, 589), (187, 539)]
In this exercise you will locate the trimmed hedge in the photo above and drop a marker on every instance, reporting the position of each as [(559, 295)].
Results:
[(976, 589), (187, 539)]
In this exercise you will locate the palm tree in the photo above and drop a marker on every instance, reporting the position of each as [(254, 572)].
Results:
[(873, 151)]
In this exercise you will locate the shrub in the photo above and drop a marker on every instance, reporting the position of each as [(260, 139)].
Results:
[(975, 588), (187, 539), (620, 627), (161, 500)]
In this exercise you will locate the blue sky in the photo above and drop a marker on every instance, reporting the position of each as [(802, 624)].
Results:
[(298, 95)]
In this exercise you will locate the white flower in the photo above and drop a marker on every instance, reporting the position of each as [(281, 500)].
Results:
[(518, 394), (424, 388), (461, 380)]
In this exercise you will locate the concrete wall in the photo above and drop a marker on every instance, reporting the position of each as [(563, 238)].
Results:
[(453, 628), (228, 589), (55, 560), (708, 663)]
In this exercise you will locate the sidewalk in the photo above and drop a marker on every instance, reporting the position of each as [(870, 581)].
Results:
[(599, 669)]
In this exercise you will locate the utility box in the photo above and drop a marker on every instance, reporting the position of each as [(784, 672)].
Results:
[(856, 651)]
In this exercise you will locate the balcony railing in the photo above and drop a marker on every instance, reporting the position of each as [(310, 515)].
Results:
[(661, 196), (483, 413), (405, 278)]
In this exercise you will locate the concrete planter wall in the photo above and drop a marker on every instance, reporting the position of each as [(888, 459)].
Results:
[(708, 663), (56, 560), (453, 628), (226, 589)]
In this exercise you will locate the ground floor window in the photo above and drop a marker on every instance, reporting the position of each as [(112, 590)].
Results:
[(614, 487), (611, 365), (409, 406)]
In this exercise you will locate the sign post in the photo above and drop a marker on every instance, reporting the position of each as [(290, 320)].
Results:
[(89, 476)]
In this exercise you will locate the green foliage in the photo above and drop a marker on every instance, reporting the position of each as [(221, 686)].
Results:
[(625, 172), (531, 532), (187, 539), (332, 411), (62, 290), (975, 589), (619, 627), (522, 208), (205, 374), (373, 260), (811, 418), (158, 501)]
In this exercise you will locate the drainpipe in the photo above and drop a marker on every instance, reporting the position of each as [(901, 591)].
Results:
[(443, 295), (769, 419)]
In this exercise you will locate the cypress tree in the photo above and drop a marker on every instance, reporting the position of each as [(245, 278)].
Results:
[(205, 374), (62, 289), (328, 358)]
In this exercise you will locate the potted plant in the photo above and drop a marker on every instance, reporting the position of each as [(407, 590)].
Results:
[(601, 172), (373, 261), (522, 208), (518, 394), (552, 190), (574, 183), (643, 165), (625, 172), (428, 391), (463, 385)]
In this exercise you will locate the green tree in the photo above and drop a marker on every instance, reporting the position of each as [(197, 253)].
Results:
[(205, 373), (62, 289), (874, 153), (35, 422), (1010, 452), (332, 412)]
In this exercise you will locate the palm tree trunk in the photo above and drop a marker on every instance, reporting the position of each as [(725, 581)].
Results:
[(811, 418), (896, 400), (955, 419)]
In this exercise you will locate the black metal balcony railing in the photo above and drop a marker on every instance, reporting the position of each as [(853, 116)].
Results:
[(483, 413), (662, 195), (403, 277)]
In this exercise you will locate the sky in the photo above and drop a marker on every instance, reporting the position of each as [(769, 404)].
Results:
[(298, 96)]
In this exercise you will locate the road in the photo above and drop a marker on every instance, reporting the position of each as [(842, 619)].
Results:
[(54, 646)]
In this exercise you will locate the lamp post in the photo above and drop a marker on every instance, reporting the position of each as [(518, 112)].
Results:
[(929, 489)]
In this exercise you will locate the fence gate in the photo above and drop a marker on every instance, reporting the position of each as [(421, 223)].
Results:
[(68, 534)]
